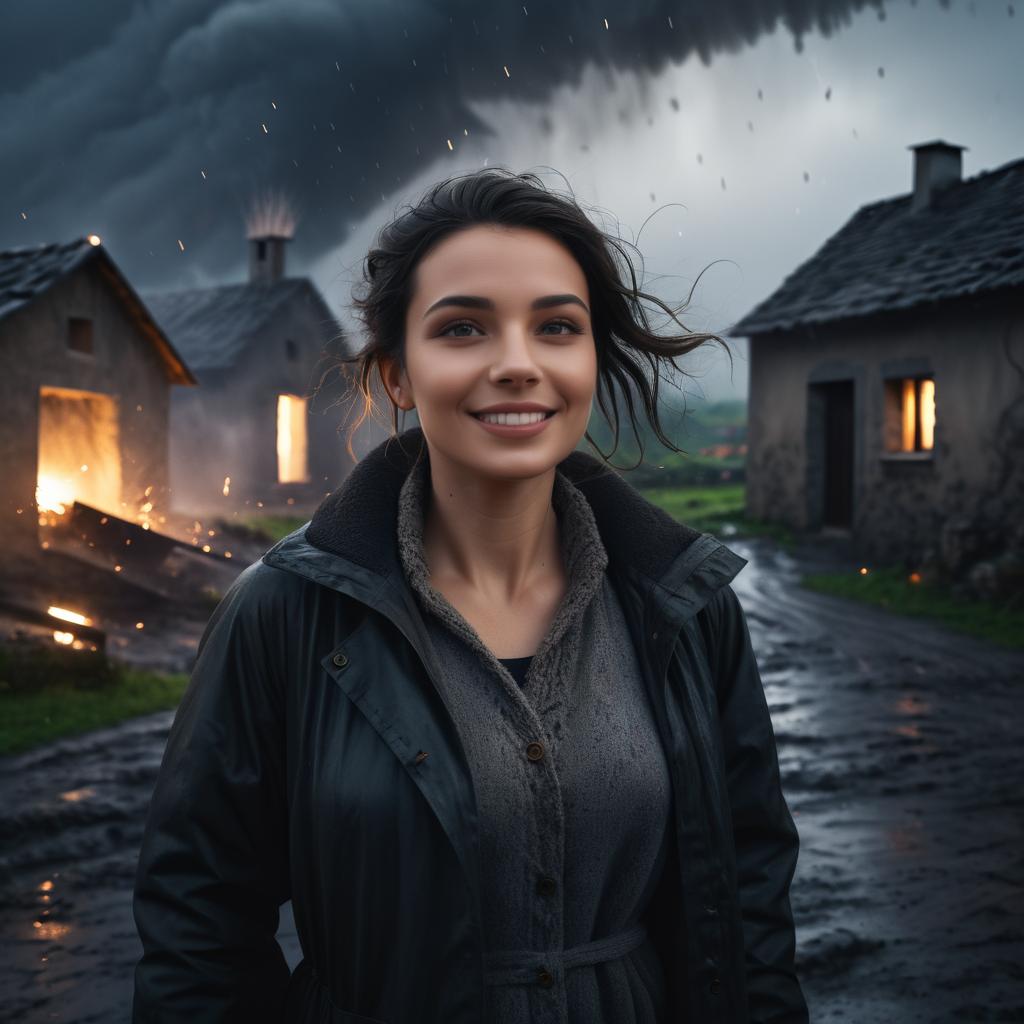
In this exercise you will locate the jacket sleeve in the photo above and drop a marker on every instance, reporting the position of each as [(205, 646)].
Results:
[(764, 834), (213, 869)]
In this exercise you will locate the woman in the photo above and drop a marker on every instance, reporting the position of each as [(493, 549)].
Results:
[(491, 720)]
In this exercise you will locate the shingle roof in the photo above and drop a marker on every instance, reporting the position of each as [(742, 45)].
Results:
[(211, 326), (886, 257), (27, 272)]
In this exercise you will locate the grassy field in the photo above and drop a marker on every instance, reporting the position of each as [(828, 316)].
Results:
[(719, 510), (32, 718), (891, 588), (716, 509)]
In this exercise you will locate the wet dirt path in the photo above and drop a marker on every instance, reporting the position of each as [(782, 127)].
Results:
[(900, 755), (901, 759)]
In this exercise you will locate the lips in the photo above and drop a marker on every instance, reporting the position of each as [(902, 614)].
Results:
[(480, 415)]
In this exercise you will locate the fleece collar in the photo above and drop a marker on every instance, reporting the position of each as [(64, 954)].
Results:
[(358, 522)]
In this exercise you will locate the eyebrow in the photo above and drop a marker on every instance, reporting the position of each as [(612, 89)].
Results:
[(479, 302)]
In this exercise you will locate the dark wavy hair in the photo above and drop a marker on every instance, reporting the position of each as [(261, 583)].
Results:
[(629, 353)]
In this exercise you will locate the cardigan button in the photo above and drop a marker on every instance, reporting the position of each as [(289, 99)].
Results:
[(546, 886), (545, 978), (534, 751), (341, 660), (715, 986)]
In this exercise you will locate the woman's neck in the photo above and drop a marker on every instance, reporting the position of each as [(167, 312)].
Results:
[(495, 537)]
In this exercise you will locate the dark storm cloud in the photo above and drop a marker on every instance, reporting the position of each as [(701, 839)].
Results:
[(114, 112)]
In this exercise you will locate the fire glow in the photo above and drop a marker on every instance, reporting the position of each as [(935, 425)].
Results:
[(66, 615), (79, 451)]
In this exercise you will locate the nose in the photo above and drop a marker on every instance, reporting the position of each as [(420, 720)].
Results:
[(514, 358)]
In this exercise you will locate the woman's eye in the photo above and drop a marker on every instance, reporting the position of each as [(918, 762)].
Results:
[(571, 328), (451, 327)]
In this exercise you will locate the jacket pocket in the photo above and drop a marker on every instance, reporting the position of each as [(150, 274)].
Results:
[(309, 1002)]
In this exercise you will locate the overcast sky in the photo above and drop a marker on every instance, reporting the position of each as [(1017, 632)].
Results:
[(732, 134)]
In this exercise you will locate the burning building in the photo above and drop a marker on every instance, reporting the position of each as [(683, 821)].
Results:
[(261, 351), (887, 372), (86, 390)]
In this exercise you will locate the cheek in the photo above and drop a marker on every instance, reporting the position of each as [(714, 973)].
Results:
[(440, 377)]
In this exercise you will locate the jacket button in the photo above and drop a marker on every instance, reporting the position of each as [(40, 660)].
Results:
[(535, 751), (545, 977), (715, 986), (341, 660), (546, 886)]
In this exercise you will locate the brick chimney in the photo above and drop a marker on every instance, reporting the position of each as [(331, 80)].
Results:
[(936, 165), (266, 258)]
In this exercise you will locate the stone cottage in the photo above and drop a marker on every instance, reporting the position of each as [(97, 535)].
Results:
[(266, 423), (887, 374), (85, 392)]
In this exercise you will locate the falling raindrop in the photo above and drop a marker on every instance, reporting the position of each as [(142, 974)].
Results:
[(750, 126), (700, 159), (828, 93), (673, 103), (807, 177), (881, 72), (723, 184), (760, 95)]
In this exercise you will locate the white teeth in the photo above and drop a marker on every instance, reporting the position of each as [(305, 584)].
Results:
[(512, 419)]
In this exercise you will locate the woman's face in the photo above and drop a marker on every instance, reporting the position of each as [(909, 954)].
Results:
[(498, 315)]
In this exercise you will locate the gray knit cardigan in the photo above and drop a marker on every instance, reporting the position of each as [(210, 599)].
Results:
[(574, 833)]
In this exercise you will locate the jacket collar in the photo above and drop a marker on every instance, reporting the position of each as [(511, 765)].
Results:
[(354, 533)]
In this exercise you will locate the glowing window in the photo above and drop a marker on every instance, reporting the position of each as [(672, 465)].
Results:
[(910, 419), (292, 463)]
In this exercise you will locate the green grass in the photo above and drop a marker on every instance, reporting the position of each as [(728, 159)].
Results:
[(29, 718), (716, 509), (891, 588)]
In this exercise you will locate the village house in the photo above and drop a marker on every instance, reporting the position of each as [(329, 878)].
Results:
[(86, 393), (887, 375), (266, 425)]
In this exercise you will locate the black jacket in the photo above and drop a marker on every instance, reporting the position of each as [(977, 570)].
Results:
[(312, 758)]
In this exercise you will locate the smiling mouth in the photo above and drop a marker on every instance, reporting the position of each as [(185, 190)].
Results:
[(480, 416)]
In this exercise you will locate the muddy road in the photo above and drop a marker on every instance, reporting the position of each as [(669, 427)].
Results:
[(900, 753)]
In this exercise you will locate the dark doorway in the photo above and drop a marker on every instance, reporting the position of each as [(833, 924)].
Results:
[(837, 507)]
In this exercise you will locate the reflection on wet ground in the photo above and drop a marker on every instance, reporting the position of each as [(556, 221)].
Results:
[(900, 755), (900, 758)]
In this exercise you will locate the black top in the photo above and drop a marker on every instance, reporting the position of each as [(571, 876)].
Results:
[(517, 667)]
